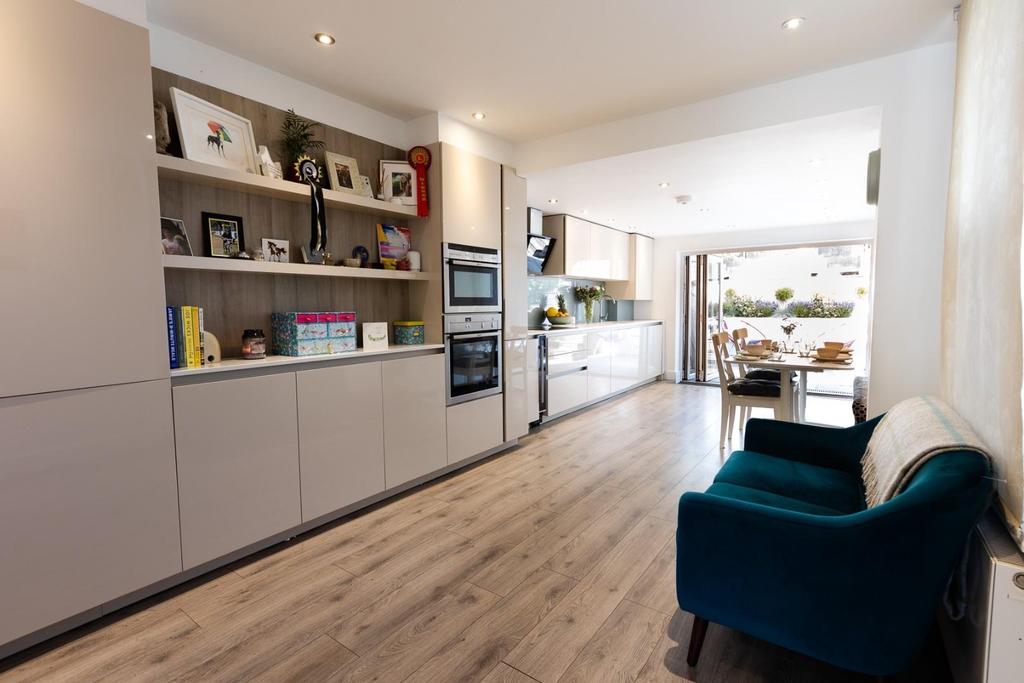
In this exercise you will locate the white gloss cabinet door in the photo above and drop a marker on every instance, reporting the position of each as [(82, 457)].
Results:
[(643, 267), (513, 253), (599, 365), (474, 427), (470, 198), (414, 418), (88, 504), (341, 436), (653, 352), (567, 391), (577, 248), (627, 361), (238, 463), (517, 403), (618, 255), (81, 283)]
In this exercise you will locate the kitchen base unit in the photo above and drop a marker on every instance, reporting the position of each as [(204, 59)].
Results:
[(587, 364)]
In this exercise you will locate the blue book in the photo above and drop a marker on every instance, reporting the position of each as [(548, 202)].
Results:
[(172, 337)]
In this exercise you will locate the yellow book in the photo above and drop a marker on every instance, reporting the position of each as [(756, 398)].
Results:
[(186, 336), (196, 346)]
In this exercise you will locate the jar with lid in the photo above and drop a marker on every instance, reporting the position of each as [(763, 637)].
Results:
[(254, 345)]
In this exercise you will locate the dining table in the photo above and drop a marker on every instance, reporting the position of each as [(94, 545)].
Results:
[(788, 363)]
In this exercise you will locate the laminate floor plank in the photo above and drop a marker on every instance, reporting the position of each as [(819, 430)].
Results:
[(321, 660), (480, 647), (621, 647)]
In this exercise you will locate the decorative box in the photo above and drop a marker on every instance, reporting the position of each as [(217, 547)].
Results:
[(308, 334), (408, 332)]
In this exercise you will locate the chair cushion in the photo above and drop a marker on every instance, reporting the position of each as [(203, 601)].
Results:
[(812, 485), (767, 374), (753, 387)]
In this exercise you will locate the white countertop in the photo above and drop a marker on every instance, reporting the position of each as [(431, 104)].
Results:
[(592, 327), (234, 364)]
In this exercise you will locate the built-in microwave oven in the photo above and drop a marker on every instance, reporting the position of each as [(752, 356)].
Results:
[(472, 279)]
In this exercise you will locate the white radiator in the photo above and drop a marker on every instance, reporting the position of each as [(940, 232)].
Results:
[(987, 645)]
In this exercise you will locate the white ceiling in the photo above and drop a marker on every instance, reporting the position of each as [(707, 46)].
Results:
[(804, 173), (538, 67)]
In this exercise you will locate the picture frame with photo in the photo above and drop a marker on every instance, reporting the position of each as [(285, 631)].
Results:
[(275, 251), (398, 181), (212, 134), (223, 235), (173, 238), (343, 173)]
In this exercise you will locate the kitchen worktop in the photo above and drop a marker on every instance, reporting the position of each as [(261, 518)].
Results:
[(592, 327)]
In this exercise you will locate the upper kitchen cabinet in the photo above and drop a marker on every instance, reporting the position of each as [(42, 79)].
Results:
[(470, 198), (586, 250), (639, 284), (514, 220), (80, 270)]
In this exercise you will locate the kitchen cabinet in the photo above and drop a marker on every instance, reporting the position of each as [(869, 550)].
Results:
[(238, 463), (470, 198), (639, 279), (586, 250), (599, 365), (567, 390), (474, 427), (654, 360), (517, 394), (414, 418), (341, 436), (81, 277), (88, 501), (513, 253), (627, 357)]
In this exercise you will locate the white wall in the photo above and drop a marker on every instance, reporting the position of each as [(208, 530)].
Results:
[(189, 58), (915, 92), (129, 10)]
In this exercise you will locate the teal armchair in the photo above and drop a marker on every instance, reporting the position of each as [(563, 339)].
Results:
[(782, 547)]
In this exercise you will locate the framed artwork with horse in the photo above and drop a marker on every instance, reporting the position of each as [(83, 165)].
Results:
[(213, 135)]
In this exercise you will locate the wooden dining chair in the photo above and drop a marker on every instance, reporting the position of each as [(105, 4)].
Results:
[(740, 392)]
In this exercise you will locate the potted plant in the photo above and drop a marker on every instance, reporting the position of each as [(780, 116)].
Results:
[(297, 139), (588, 295)]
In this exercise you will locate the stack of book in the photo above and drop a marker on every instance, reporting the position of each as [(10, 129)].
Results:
[(185, 344)]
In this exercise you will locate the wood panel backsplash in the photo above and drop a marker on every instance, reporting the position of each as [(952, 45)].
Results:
[(233, 302)]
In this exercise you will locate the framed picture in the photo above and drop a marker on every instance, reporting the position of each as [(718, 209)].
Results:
[(275, 251), (375, 336), (367, 186), (398, 181), (223, 235), (173, 238), (213, 135), (343, 173)]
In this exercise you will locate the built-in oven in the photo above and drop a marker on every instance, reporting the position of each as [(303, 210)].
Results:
[(472, 279), (472, 345)]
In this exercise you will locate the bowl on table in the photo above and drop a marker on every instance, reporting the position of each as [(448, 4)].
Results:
[(831, 353), (560, 319), (755, 350)]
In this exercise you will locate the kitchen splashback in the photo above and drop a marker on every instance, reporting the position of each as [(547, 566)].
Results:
[(543, 292)]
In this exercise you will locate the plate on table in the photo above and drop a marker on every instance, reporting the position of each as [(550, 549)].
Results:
[(746, 356), (842, 358)]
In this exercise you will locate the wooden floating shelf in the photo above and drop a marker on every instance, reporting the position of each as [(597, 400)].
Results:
[(226, 265), (175, 168)]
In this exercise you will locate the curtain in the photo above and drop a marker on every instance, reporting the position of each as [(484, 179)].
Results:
[(982, 350)]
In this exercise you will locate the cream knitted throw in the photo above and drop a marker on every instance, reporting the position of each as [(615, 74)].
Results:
[(909, 435)]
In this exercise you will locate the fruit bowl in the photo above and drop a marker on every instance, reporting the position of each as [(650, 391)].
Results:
[(560, 319)]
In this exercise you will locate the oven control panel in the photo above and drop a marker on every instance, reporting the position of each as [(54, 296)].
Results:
[(477, 322)]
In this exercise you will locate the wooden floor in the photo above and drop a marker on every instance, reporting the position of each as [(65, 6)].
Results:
[(551, 562)]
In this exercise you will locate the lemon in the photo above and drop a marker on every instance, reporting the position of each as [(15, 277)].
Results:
[(552, 312)]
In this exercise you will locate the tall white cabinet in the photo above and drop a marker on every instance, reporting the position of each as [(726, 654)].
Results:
[(470, 198), (88, 504)]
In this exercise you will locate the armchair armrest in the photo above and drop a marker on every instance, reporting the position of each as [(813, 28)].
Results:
[(839, 448)]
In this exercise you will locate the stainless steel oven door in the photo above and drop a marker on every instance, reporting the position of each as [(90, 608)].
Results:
[(472, 287), (473, 361)]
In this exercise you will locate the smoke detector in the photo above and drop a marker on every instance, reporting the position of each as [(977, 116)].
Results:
[(683, 199)]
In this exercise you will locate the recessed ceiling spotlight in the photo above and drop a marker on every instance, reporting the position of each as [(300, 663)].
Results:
[(324, 38), (705, 210), (479, 115), (663, 184), (793, 23), (149, 136), (552, 201)]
